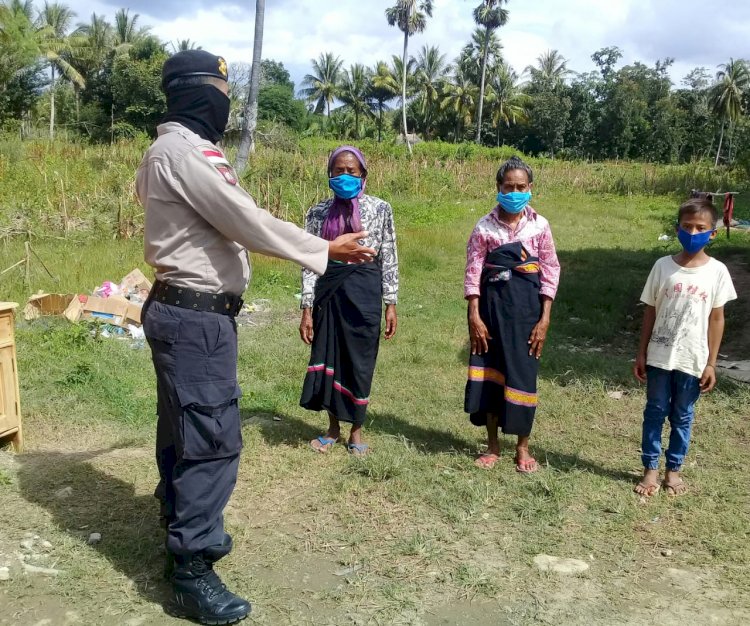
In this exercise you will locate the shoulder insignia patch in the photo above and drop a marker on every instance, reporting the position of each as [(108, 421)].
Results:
[(228, 174), (219, 161)]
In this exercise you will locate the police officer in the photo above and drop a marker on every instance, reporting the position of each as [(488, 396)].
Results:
[(199, 225)]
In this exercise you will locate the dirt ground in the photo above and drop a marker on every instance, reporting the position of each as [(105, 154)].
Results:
[(117, 581), (736, 344), (59, 575)]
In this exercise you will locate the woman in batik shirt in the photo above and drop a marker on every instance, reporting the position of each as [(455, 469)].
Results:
[(342, 310)]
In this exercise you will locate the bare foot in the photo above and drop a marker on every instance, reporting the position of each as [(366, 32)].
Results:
[(673, 483), (649, 484), (525, 463)]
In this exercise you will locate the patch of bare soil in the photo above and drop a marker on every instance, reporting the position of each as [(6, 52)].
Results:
[(736, 344)]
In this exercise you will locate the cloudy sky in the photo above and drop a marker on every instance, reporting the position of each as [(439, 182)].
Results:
[(298, 30)]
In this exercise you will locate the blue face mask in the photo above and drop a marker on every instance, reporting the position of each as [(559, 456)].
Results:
[(515, 201), (693, 243), (345, 186)]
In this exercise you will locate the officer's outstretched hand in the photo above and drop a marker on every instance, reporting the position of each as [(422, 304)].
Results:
[(346, 248)]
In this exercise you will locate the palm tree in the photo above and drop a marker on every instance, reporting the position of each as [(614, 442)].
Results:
[(491, 16), (354, 93), (473, 53), (431, 68), (18, 39), (185, 44), (17, 7), (321, 87), (460, 96), (508, 104), (53, 24), (411, 17), (99, 40), (383, 88), (551, 69), (250, 118), (726, 95), (126, 31)]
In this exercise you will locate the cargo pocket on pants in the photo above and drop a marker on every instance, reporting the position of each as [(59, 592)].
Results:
[(210, 419)]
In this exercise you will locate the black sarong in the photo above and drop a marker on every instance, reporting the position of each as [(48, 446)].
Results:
[(346, 336), (503, 380)]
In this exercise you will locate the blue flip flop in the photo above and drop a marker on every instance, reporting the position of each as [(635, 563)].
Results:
[(358, 449), (324, 441)]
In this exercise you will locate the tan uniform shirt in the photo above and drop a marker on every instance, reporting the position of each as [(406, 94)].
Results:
[(199, 223)]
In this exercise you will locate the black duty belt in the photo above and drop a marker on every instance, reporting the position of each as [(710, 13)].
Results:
[(224, 303)]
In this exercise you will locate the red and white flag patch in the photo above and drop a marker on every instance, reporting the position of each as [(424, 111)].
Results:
[(219, 161), (227, 173)]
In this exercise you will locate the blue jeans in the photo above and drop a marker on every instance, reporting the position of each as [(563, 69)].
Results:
[(672, 394)]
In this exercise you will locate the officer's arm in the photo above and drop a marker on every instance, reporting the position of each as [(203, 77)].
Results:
[(214, 193)]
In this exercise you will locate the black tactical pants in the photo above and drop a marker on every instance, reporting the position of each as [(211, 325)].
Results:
[(198, 435)]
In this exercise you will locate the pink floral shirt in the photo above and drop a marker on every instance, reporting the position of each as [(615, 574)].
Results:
[(532, 231)]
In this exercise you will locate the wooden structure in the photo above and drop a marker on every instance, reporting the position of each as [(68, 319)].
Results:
[(728, 209), (10, 407)]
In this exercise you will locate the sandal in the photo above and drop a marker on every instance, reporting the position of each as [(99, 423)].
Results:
[(649, 489), (326, 443), (486, 460), (527, 466), (358, 449), (675, 489)]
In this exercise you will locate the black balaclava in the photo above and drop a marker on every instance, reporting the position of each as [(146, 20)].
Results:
[(201, 108)]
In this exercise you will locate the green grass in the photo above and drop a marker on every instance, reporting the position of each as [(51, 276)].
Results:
[(438, 541)]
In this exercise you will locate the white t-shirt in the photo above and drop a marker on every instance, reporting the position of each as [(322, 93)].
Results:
[(684, 297)]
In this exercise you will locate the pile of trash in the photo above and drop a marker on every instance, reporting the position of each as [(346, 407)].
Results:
[(116, 305)]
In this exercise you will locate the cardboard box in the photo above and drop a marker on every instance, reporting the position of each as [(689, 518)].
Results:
[(46, 304), (114, 310), (135, 281)]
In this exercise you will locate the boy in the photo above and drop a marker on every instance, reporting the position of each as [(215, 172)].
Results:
[(683, 325)]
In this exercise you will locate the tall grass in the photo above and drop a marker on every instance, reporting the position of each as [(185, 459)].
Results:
[(55, 189)]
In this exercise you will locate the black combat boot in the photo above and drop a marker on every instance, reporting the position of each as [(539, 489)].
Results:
[(200, 595)]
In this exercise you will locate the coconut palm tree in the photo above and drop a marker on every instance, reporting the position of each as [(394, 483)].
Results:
[(726, 95), (551, 69), (126, 31), (18, 39), (382, 89), (411, 17), (321, 87), (55, 44), (99, 41), (507, 102), (17, 7), (459, 98), (250, 117), (473, 52), (489, 15), (355, 93), (185, 44), (431, 69), (53, 24)]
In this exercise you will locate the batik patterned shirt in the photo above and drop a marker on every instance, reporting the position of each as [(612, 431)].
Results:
[(377, 220), (532, 231)]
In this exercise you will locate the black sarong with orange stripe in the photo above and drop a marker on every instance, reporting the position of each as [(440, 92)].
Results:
[(503, 380), (346, 335)]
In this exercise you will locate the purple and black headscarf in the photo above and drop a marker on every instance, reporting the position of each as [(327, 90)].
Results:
[(343, 215)]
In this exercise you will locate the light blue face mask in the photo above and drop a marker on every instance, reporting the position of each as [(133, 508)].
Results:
[(345, 186), (515, 201)]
